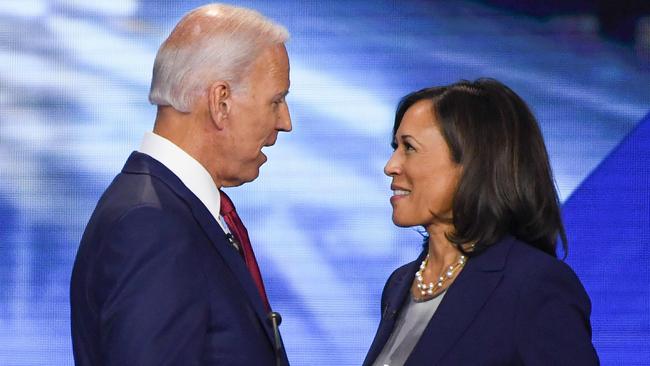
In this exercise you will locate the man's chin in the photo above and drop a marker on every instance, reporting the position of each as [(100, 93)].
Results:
[(252, 176), (242, 179), (261, 160), (249, 174)]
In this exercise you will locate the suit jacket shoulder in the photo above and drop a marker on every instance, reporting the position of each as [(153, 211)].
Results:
[(155, 281)]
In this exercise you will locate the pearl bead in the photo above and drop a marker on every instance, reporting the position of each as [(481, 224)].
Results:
[(431, 288)]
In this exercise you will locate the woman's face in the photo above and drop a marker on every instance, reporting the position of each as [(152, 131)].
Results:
[(424, 176)]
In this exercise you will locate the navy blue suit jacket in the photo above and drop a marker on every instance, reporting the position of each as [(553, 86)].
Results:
[(156, 283), (511, 305)]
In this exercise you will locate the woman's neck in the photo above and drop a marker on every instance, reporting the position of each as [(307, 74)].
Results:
[(442, 252)]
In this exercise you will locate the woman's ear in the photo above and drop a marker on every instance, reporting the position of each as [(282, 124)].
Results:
[(219, 102)]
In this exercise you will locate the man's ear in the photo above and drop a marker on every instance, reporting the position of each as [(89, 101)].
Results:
[(219, 102)]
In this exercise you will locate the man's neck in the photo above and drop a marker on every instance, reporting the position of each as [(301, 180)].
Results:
[(184, 130)]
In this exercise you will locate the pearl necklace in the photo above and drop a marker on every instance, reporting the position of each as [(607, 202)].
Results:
[(431, 288)]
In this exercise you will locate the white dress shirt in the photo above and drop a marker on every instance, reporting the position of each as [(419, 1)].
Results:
[(194, 175)]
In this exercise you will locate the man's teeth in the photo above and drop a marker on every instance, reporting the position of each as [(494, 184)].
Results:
[(399, 192)]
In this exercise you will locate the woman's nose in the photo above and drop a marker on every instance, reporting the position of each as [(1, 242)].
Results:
[(392, 166)]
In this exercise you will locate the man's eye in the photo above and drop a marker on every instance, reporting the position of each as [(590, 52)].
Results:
[(408, 147)]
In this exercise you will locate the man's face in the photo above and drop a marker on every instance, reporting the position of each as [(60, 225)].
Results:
[(256, 115)]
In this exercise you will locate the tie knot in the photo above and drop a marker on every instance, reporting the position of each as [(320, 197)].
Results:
[(226, 204)]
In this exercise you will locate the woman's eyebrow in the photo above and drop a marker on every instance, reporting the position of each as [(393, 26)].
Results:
[(405, 137)]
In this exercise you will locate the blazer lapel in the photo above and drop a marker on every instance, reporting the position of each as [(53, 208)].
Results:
[(463, 300), (394, 295), (144, 164)]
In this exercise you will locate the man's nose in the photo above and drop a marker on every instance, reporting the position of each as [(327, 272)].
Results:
[(284, 122)]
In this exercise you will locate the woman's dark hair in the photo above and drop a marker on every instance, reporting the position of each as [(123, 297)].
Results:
[(506, 185)]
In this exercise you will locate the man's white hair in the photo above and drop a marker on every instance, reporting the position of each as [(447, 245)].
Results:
[(212, 42)]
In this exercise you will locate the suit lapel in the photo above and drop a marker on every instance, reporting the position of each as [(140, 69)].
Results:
[(396, 291), (232, 259), (462, 302), (144, 164)]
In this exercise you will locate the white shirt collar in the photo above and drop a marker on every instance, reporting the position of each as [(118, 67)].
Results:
[(194, 175)]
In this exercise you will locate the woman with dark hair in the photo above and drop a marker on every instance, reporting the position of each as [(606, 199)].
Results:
[(470, 166)]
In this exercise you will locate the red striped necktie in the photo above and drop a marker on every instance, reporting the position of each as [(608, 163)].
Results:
[(238, 229)]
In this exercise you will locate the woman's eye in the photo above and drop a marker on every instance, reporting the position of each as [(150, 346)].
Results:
[(404, 145)]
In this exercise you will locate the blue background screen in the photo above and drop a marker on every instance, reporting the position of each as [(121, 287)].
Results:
[(74, 79)]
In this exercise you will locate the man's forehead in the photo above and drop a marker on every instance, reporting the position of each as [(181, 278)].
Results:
[(275, 68), (270, 71), (278, 60)]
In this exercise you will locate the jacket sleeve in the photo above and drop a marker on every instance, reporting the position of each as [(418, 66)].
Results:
[(552, 320), (149, 285)]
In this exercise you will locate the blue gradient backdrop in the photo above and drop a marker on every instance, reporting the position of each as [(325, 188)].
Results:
[(74, 78)]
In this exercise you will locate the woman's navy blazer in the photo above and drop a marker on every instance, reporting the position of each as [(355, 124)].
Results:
[(511, 305)]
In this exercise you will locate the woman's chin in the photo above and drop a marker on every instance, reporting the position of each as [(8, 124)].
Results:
[(402, 222)]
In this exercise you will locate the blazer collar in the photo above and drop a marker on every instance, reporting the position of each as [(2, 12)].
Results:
[(462, 301), (139, 163)]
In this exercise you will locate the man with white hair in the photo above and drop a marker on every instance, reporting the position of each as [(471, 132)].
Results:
[(165, 273)]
